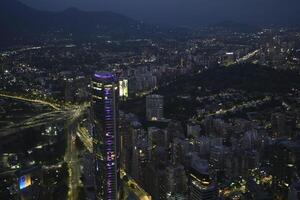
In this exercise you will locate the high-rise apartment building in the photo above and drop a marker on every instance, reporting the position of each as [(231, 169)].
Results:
[(154, 107)]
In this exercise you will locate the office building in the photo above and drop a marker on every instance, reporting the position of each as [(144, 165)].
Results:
[(105, 133), (123, 89), (154, 107), (201, 188)]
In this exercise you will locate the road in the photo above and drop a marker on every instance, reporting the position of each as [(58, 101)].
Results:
[(249, 104), (70, 115), (20, 98), (132, 186), (36, 121), (245, 58), (43, 119), (248, 56), (71, 157), (85, 137)]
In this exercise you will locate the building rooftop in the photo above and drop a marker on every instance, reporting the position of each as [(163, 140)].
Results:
[(108, 76)]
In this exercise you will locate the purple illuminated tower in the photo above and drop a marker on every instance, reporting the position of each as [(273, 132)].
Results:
[(105, 133)]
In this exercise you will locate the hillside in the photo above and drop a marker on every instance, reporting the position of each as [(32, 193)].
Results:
[(20, 22)]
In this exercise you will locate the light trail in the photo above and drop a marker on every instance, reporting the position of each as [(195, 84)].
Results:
[(39, 120), (84, 136), (70, 116), (71, 157), (248, 104), (55, 107), (247, 57), (134, 187)]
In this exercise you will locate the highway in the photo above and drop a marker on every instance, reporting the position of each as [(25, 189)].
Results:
[(85, 137), (71, 157), (248, 56), (70, 115), (249, 104), (36, 121), (71, 154), (133, 187), (245, 58), (20, 98), (43, 119)]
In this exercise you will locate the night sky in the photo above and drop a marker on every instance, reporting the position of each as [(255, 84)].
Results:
[(188, 12)]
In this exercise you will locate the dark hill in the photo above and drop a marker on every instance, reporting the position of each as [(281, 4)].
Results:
[(18, 21)]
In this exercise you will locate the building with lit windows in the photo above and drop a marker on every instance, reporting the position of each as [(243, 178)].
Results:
[(123, 89), (105, 134), (200, 186), (154, 107)]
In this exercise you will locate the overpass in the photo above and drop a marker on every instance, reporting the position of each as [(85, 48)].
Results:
[(68, 114)]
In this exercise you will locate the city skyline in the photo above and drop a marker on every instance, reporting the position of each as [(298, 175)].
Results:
[(96, 105)]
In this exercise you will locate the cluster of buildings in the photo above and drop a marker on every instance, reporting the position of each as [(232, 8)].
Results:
[(224, 151), (30, 170), (152, 158)]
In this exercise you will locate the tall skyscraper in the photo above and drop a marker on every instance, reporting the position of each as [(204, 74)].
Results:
[(154, 107), (105, 133)]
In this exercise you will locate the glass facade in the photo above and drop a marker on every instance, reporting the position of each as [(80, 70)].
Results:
[(106, 148)]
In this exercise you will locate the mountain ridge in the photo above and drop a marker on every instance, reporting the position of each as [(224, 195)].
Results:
[(21, 21)]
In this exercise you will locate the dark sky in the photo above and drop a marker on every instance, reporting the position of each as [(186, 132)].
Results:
[(188, 12)]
